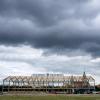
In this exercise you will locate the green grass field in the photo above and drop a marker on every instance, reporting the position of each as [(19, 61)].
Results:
[(55, 97)]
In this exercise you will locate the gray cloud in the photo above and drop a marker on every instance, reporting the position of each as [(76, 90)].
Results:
[(51, 24)]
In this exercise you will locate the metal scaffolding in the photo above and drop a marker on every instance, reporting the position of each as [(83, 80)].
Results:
[(49, 83)]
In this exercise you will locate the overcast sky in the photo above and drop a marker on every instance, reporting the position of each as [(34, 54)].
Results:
[(55, 36)]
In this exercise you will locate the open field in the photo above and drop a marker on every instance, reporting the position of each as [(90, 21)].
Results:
[(52, 97)]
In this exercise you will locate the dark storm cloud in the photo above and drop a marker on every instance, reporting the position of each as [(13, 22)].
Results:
[(66, 24)]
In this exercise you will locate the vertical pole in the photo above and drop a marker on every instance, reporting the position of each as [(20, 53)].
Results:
[(12, 86), (46, 85), (94, 85), (9, 86), (2, 86), (63, 86), (15, 87), (18, 86), (38, 85), (58, 86)]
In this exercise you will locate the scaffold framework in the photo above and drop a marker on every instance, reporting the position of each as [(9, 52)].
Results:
[(49, 83)]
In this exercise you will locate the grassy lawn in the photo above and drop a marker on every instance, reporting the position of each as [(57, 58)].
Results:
[(58, 97)]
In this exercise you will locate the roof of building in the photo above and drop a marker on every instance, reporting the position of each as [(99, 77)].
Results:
[(48, 78)]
